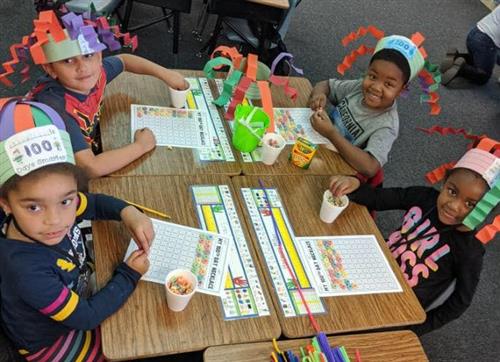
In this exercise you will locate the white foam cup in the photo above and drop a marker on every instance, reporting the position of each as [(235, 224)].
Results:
[(329, 212), (178, 97), (270, 153), (178, 302)]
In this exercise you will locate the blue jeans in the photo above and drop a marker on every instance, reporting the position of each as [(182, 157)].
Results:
[(484, 55)]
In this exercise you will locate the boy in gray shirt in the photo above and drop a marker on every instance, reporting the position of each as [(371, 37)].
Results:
[(362, 121)]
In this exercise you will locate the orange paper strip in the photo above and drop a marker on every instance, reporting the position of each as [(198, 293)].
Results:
[(252, 64), (438, 173), (487, 144), (418, 39), (23, 117), (267, 102), (488, 232)]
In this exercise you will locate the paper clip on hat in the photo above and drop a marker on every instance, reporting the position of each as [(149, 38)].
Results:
[(412, 50), (484, 159), (32, 135), (52, 41)]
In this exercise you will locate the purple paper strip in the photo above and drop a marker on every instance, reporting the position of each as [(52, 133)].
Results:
[(7, 118), (290, 62)]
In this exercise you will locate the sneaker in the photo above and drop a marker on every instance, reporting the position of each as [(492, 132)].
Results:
[(452, 72)]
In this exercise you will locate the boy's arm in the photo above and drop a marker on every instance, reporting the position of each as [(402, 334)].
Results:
[(139, 65), (319, 95), (113, 160), (359, 159)]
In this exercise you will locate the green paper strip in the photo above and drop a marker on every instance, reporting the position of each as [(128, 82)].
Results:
[(483, 207), (227, 91), (344, 354), (208, 69), (433, 87)]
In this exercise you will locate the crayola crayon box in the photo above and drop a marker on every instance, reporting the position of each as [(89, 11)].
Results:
[(302, 153)]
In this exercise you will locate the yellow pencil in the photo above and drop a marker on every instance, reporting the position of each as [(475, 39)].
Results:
[(144, 208)]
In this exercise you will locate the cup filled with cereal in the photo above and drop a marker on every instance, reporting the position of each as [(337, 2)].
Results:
[(332, 206), (180, 286), (272, 145)]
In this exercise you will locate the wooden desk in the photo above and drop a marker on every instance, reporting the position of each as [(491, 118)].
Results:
[(144, 326), (302, 196), (129, 89), (325, 162), (400, 346)]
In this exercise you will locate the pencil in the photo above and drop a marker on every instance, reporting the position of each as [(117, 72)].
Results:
[(144, 208)]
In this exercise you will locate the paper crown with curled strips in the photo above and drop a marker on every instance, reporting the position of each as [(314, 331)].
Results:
[(52, 41), (483, 158), (413, 52), (238, 81), (32, 135)]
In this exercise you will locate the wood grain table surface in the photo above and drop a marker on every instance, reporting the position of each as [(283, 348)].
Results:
[(144, 326), (398, 346), (302, 197), (129, 89)]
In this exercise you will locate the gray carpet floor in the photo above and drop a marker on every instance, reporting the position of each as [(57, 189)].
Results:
[(314, 39)]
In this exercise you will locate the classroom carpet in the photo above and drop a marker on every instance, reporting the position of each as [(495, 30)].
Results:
[(316, 29)]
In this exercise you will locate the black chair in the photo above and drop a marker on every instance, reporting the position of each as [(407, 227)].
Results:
[(268, 18), (170, 9)]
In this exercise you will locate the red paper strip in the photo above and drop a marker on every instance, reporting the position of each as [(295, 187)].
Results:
[(487, 233)]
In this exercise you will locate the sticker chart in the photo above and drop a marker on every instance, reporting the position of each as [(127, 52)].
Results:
[(347, 265), (261, 213), (176, 246), (243, 295), (171, 126), (218, 145)]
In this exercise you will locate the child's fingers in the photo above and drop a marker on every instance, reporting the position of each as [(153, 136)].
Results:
[(136, 254)]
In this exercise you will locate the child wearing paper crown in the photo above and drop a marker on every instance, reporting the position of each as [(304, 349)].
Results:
[(435, 244), (69, 49), (363, 122), (46, 307)]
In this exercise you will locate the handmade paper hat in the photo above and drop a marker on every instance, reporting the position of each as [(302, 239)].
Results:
[(483, 158), (54, 40), (32, 135), (407, 48), (411, 49)]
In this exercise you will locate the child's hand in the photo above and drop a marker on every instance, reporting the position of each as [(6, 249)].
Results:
[(176, 80), (322, 124), (138, 261), (145, 138), (317, 101), (342, 185), (139, 225)]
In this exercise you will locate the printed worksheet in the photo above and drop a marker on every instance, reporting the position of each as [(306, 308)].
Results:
[(347, 265), (243, 295), (181, 247), (173, 127), (276, 241)]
